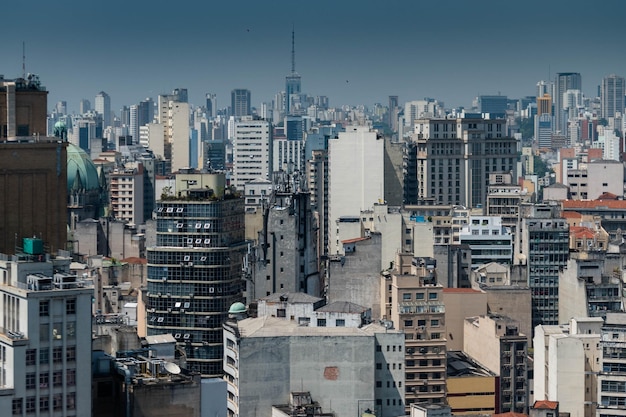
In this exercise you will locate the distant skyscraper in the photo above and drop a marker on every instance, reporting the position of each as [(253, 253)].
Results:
[(241, 102), (211, 105), (564, 81), (544, 104), (133, 126), (293, 80), (145, 112), (181, 95), (493, 104), (103, 107), (61, 107), (392, 113), (612, 95), (252, 151), (84, 106)]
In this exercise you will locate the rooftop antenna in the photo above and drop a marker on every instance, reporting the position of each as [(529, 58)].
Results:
[(23, 59), (293, 49)]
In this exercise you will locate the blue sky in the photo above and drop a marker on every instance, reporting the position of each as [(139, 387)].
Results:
[(355, 52)]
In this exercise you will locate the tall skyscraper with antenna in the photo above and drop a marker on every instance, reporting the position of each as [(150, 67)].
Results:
[(293, 80)]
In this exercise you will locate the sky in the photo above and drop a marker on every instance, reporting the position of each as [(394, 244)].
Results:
[(354, 52)]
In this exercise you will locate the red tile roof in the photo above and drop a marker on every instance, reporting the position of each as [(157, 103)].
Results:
[(135, 260), (581, 232), (357, 239), (572, 215), (545, 404), (591, 204), (510, 414)]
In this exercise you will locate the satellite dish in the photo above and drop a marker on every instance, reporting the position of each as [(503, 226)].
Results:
[(172, 368)]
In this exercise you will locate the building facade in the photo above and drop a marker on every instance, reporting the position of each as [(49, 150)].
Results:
[(194, 273)]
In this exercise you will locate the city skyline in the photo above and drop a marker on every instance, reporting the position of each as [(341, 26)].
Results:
[(352, 54)]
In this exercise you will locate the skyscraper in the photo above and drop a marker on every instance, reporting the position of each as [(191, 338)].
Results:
[(241, 102), (23, 107), (211, 105), (252, 151), (194, 271), (612, 96), (103, 107), (293, 80), (564, 81)]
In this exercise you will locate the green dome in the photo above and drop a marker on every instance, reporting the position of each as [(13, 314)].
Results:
[(81, 169), (59, 124), (237, 308)]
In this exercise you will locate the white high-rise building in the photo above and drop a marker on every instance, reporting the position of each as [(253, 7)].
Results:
[(252, 148), (178, 134), (133, 125), (356, 179), (45, 339), (103, 107)]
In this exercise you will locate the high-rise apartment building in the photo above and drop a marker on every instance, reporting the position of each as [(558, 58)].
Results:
[(126, 194), (544, 243), (564, 81), (612, 95), (453, 158), (194, 272), (356, 178), (240, 102), (252, 151), (45, 339), (103, 107), (412, 300)]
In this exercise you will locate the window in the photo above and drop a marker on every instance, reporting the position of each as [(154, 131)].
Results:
[(43, 380), (281, 312), (435, 335), (71, 330), (44, 404), (408, 323), (17, 406), (432, 295), (406, 296), (31, 404), (44, 356), (419, 296), (57, 355), (31, 357), (57, 402), (434, 323), (379, 384), (57, 379), (70, 376), (340, 323), (44, 332), (379, 365), (321, 322), (70, 353), (44, 308), (70, 306), (57, 331), (31, 381)]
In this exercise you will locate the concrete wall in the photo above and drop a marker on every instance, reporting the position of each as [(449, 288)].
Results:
[(356, 277), (480, 342), (459, 305), (572, 293), (513, 302), (166, 400), (566, 378)]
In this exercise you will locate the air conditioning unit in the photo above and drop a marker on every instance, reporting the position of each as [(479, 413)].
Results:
[(410, 351), (423, 350)]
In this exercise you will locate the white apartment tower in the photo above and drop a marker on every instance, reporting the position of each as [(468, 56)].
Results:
[(45, 339), (252, 144), (356, 178)]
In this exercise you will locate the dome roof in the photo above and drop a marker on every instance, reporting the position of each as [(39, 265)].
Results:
[(60, 123), (237, 308), (80, 168)]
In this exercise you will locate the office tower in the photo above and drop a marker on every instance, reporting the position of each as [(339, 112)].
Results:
[(178, 134), (612, 96), (356, 178), (45, 337), (252, 151), (544, 244), (211, 105), (544, 104), (84, 106), (495, 105), (240, 102), (544, 126), (412, 299), (392, 113), (145, 112), (293, 80), (133, 123), (103, 107), (194, 272), (125, 116), (23, 107), (181, 95), (454, 158), (564, 81), (543, 88), (61, 107)]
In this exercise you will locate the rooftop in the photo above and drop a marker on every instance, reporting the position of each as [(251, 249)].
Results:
[(594, 204), (342, 307), (291, 297), (277, 327), (546, 405)]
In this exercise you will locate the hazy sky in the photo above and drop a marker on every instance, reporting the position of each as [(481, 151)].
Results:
[(354, 52)]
